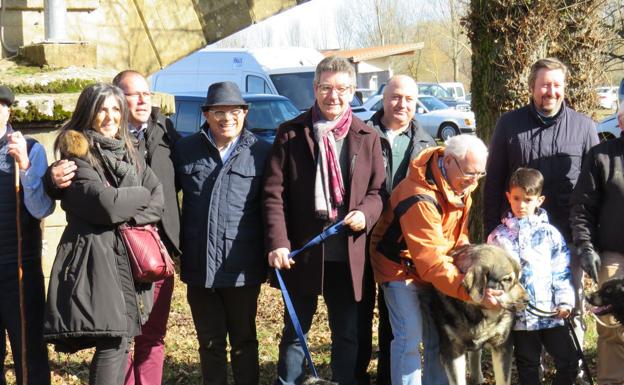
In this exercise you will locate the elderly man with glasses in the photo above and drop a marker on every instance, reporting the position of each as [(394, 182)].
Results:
[(326, 165), (220, 172), (427, 218)]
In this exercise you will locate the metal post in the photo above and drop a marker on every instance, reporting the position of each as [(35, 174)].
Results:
[(55, 13)]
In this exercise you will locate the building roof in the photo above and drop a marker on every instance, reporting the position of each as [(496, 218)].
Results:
[(363, 54)]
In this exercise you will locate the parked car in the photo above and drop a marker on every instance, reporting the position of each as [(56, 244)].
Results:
[(438, 119), (608, 128), (456, 89), (266, 113), (608, 97), (442, 94), (286, 71), (365, 111), (357, 106), (442, 121), (364, 93)]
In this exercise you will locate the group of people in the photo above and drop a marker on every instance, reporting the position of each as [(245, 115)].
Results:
[(246, 204)]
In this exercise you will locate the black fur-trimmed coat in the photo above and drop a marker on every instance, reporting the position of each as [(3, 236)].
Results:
[(92, 293)]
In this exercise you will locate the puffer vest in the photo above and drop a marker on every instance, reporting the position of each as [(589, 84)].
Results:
[(31, 229)]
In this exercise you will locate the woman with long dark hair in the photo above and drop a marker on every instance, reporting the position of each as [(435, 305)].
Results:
[(93, 300)]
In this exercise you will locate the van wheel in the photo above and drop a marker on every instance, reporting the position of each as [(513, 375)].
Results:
[(447, 130)]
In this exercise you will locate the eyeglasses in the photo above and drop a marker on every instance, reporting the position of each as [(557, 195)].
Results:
[(327, 89), (469, 175), (136, 95), (235, 113)]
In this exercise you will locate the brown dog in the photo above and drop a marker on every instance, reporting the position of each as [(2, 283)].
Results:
[(466, 326)]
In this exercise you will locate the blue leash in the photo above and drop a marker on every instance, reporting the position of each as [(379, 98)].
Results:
[(328, 232)]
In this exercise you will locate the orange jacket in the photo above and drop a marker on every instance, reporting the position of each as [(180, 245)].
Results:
[(423, 223)]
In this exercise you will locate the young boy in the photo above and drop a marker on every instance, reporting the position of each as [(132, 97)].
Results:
[(542, 252)]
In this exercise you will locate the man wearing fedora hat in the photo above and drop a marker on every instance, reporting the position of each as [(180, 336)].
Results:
[(33, 205), (220, 172)]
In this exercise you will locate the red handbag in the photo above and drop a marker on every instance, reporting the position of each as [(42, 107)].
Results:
[(149, 259)]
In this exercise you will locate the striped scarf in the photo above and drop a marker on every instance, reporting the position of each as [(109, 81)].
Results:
[(329, 190)]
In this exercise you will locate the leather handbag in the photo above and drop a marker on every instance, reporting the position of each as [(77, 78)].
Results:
[(149, 259)]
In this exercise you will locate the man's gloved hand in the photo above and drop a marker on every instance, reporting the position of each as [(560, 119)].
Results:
[(590, 261)]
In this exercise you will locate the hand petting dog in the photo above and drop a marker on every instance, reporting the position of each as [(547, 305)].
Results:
[(490, 299)]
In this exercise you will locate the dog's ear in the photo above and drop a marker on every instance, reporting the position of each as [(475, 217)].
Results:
[(475, 282)]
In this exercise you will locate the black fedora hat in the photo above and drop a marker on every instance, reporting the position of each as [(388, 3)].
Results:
[(224, 94), (6, 96)]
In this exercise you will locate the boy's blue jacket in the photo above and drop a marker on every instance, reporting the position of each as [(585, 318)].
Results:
[(545, 260)]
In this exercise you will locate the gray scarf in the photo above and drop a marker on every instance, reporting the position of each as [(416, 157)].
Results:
[(115, 156)]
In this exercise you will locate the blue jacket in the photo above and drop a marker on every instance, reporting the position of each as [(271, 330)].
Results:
[(545, 261), (557, 148), (222, 234)]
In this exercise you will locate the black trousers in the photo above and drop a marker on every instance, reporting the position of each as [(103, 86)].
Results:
[(221, 313), (34, 301), (528, 349), (108, 366), (342, 314)]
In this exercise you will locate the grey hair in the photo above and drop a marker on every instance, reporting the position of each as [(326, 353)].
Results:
[(458, 146), (335, 64)]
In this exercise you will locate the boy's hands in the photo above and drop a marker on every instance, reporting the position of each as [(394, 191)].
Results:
[(562, 312)]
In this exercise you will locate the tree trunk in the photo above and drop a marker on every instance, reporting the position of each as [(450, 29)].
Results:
[(507, 37)]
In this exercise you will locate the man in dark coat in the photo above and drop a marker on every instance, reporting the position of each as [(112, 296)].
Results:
[(220, 171), (548, 136), (597, 219), (156, 137), (402, 139), (34, 205), (326, 165)]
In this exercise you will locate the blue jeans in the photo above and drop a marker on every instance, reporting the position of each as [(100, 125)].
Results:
[(411, 325), (342, 314)]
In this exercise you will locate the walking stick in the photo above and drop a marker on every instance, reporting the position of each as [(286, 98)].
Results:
[(20, 275)]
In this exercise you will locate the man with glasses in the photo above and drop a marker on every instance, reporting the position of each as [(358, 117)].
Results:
[(426, 219), (220, 172), (325, 166), (549, 136), (155, 138)]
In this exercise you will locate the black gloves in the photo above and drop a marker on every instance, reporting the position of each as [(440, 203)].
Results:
[(590, 261)]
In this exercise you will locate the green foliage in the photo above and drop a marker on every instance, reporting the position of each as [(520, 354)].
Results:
[(54, 87), (32, 114)]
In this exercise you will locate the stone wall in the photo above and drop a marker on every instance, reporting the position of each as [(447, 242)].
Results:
[(142, 34)]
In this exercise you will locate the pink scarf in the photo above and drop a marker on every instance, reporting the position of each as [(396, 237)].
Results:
[(329, 190)]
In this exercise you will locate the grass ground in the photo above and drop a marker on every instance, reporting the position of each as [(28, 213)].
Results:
[(182, 361)]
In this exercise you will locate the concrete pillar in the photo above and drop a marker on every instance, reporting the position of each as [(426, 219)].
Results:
[(55, 21)]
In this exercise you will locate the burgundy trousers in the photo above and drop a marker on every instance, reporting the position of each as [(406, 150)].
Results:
[(145, 364)]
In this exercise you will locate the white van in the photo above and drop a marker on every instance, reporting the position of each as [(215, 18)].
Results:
[(456, 89), (284, 71)]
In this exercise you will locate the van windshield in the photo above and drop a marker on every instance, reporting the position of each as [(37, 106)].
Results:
[(297, 87)]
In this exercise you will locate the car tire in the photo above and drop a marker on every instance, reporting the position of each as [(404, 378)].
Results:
[(447, 130)]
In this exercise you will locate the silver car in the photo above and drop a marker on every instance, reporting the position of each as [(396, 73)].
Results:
[(438, 119)]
